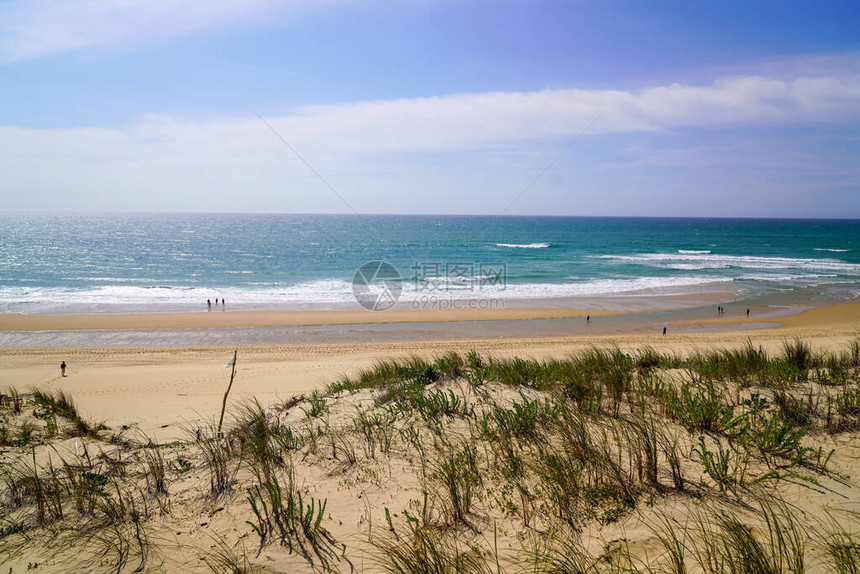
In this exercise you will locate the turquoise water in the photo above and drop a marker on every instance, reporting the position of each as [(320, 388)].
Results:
[(118, 263)]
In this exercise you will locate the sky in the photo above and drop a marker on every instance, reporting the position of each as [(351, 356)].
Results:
[(515, 107)]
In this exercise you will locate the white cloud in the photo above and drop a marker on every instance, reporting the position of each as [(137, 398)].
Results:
[(30, 29), (474, 121), (184, 157), (498, 119)]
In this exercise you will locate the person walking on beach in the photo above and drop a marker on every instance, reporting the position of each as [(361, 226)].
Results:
[(223, 303), (664, 331), (63, 368), (209, 304), (748, 313)]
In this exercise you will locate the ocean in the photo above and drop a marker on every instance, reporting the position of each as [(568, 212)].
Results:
[(119, 263)]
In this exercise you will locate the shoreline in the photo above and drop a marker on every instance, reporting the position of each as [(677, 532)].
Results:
[(440, 311), (265, 329), (511, 310), (832, 322)]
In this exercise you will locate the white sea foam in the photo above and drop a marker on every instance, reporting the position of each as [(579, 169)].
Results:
[(114, 279), (689, 262), (654, 285), (320, 294), (784, 277), (659, 273), (694, 251), (123, 298), (649, 285), (523, 245), (832, 250)]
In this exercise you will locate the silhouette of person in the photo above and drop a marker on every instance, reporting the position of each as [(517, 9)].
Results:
[(209, 304), (748, 313), (664, 331), (588, 319), (63, 368)]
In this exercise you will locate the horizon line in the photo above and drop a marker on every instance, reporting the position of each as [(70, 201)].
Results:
[(383, 214)]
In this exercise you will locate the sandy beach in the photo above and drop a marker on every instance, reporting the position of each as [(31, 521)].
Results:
[(156, 388), (161, 392), (233, 319), (429, 288)]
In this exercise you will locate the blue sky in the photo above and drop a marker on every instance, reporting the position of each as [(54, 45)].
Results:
[(702, 108)]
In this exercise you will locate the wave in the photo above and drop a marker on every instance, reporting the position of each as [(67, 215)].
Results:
[(128, 298), (696, 262), (831, 250), (113, 279), (595, 287), (808, 278), (640, 274), (694, 251), (523, 245), (313, 294)]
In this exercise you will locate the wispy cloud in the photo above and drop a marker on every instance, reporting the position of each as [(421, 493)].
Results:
[(183, 154), (494, 119), (41, 27), (473, 121)]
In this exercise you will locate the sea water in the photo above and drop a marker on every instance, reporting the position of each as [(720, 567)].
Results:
[(110, 263)]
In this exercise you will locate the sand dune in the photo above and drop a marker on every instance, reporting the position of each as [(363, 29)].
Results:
[(154, 392)]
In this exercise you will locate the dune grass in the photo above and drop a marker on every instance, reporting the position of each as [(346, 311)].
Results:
[(550, 449)]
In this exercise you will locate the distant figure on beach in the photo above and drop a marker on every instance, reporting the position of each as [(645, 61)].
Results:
[(588, 319), (748, 313), (63, 368), (209, 304), (664, 331), (216, 301), (223, 303)]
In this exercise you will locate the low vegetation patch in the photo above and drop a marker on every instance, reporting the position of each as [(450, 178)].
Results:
[(462, 463)]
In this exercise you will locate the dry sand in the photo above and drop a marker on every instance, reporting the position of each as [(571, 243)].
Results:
[(156, 389)]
